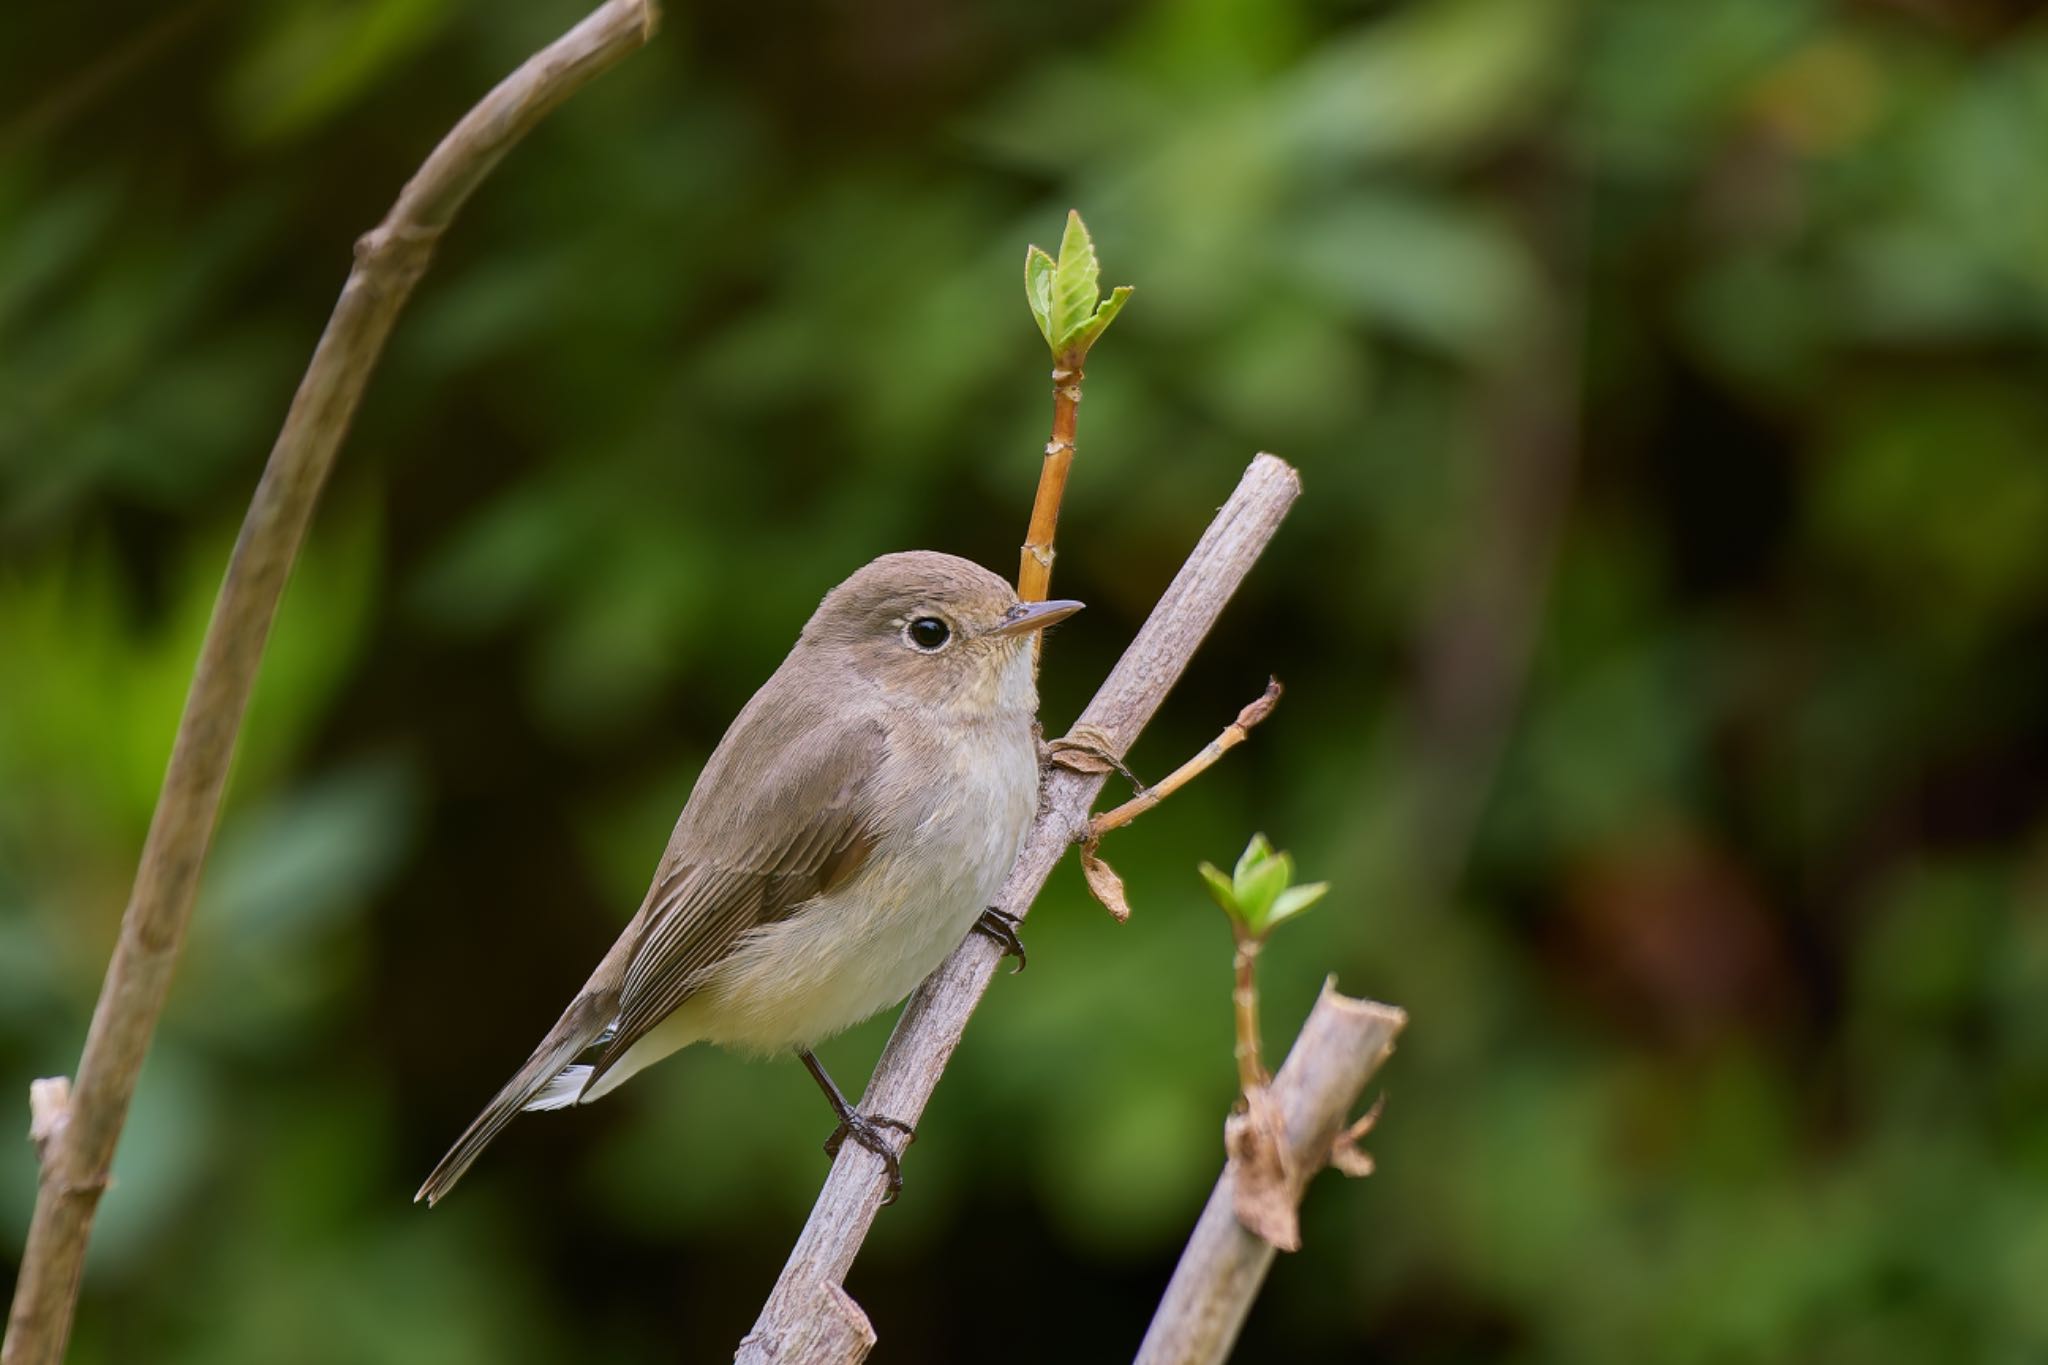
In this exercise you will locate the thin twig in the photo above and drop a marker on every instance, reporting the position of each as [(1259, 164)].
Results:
[(1084, 752), (1244, 1006), (1233, 735), (1341, 1045), (389, 260), (936, 1017), (1034, 567)]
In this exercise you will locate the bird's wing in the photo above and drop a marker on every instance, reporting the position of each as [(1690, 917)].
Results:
[(719, 879)]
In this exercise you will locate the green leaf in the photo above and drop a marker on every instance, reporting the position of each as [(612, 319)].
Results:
[(1038, 273), (1294, 900), (1255, 852), (1090, 331), (1221, 889), (1111, 306), (1258, 894), (1258, 889), (1066, 294), (1076, 282)]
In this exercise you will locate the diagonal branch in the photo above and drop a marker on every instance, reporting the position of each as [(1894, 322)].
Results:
[(936, 1017), (76, 1135)]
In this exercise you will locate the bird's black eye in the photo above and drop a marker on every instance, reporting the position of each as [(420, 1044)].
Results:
[(928, 633)]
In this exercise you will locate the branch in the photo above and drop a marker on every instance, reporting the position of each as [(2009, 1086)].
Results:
[(1233, 735), (1080, 749), (1244, 1008), (1034, 567), (1065, 296), (78, 1148), (1341, 1045), (933, 1022)]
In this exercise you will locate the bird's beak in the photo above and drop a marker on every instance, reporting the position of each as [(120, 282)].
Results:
[(1026, 617)]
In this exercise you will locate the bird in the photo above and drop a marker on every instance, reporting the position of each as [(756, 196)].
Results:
[(849, 830)]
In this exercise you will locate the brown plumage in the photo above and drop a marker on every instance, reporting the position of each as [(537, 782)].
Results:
[(843, 836)]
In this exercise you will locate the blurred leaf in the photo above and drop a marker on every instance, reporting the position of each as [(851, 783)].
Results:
[(1925, 961), (167, 1150), (1294, 900), (310, 58), (1220, 888), (47, 238), (1642, 110), (271, 944), (1430, 271), (88, 706), (1433, 79), (1257, 854), (1258, 886), (1937, 494), (1761, 320), (1610, 741)]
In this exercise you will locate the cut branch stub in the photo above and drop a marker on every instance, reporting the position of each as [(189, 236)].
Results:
[(1339, 1048)]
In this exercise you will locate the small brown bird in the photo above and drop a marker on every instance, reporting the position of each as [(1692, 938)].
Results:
[(846, 833)]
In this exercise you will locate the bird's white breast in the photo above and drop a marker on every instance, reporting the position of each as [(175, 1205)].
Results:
[(864, 946)]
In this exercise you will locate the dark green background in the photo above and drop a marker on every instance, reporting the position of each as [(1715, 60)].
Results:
[(1665, 624)]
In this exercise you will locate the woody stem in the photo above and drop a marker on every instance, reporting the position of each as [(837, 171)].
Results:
[(1233, 735), (1245, 997), (1034, 568)]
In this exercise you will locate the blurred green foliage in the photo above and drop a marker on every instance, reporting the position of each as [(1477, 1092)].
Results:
[(1730, 1018)]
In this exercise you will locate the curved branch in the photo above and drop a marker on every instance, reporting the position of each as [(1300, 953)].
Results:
[(76, 1135)]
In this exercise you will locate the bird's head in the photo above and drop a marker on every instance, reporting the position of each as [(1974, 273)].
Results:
[(936, 629)]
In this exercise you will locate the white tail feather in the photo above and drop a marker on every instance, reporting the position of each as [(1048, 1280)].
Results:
[(562, 1091)]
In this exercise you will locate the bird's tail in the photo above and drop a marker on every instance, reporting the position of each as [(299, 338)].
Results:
[(547, 1081)]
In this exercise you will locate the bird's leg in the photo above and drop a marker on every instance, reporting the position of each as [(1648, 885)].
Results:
[(1001, 926), (865, 1130)]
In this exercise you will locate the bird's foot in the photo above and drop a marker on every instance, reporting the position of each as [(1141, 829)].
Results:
[(867, 1131), (1001, 926)]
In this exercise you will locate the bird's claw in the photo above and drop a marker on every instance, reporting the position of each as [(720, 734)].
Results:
[(1001, 926), (868, 1133)]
